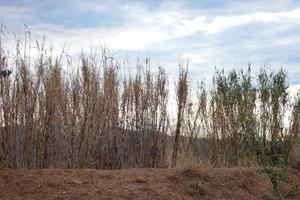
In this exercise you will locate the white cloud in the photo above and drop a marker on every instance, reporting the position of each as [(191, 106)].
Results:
[(156, 27), (13, 10), (161, 29), (294, 89)]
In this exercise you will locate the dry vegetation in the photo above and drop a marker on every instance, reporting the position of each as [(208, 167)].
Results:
[(143, 184), (98, 117)]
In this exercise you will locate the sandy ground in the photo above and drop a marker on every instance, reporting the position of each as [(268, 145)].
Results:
[(188, 183)]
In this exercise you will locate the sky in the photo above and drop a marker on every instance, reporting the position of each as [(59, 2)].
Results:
[(206, 33)]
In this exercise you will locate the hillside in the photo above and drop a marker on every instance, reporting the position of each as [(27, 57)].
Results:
[(189, 183)]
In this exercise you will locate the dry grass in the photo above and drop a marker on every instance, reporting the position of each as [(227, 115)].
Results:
[(98, 117), (295, 157), (89, 118), (196, 183)]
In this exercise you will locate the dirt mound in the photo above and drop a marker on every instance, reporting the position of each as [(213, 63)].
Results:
[(189, 183)]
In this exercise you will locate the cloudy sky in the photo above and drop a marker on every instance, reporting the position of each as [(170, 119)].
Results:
[(209, 33)]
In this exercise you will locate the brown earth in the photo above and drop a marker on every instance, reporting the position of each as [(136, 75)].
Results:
[(188, 183)]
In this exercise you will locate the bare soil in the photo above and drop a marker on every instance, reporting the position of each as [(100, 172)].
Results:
[(188, 183)]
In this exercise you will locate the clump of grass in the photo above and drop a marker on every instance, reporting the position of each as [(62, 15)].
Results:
[(98, 117), (89, 118), (182, 93)]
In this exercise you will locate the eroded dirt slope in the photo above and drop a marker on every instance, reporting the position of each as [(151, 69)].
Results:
[(189, 183)]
